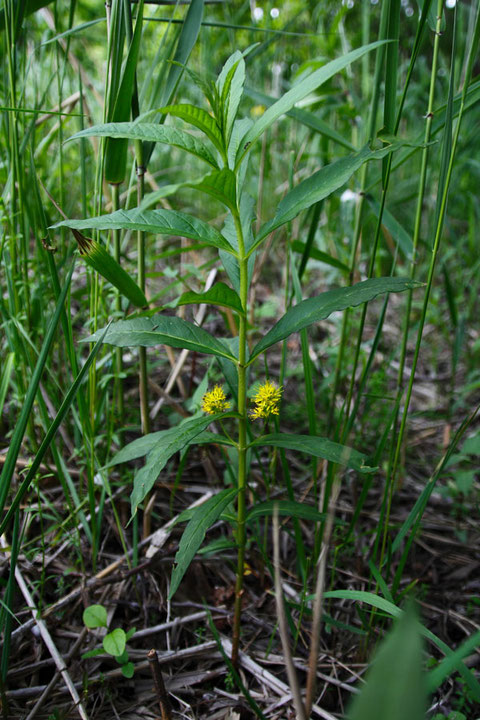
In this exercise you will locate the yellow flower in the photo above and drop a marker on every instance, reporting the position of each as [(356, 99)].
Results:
[(266, 401), (215, 401)]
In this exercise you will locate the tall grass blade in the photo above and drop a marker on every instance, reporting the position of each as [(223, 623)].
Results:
[(66, 403), (23, 419), (395, 685), (121, 105), (297, 93)]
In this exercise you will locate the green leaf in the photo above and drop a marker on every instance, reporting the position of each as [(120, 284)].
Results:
[(318, 447), (449, 664), (315, 188), (200, 119), (299, 92), (320, 307), (206, 438), (229, 85), (141, 446), (123, 658), (92, 653), (114, 643), (203, 518), (309, 119), (95, 616), (120, 106), (286, 507), (221, 185), (219, 294), (366, 597), (128, 670), (153, 133), (159, 222), (395, 686), (163, 330), (158, 457), (394, 611), (186, 41), (299, 247)]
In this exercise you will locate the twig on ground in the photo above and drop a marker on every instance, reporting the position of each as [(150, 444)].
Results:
[(159, 684)]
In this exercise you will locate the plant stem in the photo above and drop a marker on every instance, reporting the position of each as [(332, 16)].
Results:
[(416, 236), (118, 305), (242, 436)]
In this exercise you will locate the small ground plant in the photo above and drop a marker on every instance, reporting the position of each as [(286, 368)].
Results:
[(114, 642)]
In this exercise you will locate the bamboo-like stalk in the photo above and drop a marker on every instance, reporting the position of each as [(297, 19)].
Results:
[(436, 244), (416, 235), (119, 399)]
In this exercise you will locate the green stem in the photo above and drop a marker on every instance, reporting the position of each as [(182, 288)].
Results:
[(438, 235), (118, 305), (242, 436), (416, 235)]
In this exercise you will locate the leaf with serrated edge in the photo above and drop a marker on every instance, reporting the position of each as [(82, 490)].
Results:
[(318, 447), (159, 222), (320, 307), (162, 330), (315, 188), (158, 457), (218, 294), (143, 445), (199, 118), (150, 132), (202, 518), (221, 185)]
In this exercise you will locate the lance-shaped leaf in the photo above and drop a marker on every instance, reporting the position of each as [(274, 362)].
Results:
[(162, 452), (318, 447), (159, 222), (229, 86), (143, 445), (286, 508), (221, 185), (163, 330), (299, 92), (218, 294), (202, 518), (320, 307), (100, 260), (317, 187), (153, 133), (309, 119), (199, 118)]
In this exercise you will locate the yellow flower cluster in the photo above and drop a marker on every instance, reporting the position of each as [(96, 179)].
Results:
[(266, 401), (214, 401)]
